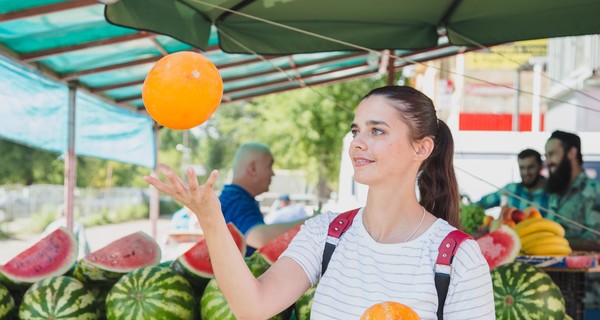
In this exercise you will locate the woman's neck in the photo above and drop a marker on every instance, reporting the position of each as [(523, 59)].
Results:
[(390, 215)]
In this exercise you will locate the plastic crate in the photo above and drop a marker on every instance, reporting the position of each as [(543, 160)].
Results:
[(572, 286)]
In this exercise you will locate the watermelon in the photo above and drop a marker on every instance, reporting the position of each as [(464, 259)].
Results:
[(53, 255), (522, 291), (304, 304), (7, 303), (500, 246), (58, 298), (151, 293), (272, 250), (117, 258), (195, 263), (213, 305)]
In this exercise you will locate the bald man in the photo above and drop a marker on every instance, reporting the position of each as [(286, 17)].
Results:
[(252, 172)]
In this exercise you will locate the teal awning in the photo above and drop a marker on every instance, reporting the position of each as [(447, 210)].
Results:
[(33, 111)]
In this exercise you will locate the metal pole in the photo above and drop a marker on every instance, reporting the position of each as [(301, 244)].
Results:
[(70, 158), (537, 89), (154, 196), (517, 107)]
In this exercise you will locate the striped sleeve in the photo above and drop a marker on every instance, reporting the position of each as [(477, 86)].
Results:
[(470, 295), (307, 247)]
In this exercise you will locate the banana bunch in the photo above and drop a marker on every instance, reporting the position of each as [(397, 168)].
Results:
[(542, 237)]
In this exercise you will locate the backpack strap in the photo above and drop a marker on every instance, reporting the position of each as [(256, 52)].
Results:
[(446, 252), (337, 227)]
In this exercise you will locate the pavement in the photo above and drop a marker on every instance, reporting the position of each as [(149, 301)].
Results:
[(98, 237)]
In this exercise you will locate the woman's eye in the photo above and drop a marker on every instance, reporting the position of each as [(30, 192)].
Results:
[(376, 131)]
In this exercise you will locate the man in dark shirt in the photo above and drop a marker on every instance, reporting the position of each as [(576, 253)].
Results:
[(252, 172)]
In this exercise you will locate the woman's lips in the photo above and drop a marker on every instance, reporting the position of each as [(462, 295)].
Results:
[(360, 162)]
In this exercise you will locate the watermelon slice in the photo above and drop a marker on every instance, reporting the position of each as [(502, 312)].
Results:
[(53, 255), (195, 265), (275, 248), (111, 262), (500, 247)]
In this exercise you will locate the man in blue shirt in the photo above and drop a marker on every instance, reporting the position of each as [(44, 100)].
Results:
[(530, 188), (252, 172)]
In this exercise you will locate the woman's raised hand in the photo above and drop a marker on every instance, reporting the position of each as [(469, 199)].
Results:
[(200, 199)]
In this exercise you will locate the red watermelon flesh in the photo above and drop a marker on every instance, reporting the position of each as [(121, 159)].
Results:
[(500, 247), (275, 248), (53, 255), (197, 259), (125, 254)]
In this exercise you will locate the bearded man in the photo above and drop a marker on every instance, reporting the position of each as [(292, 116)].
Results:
[(575, 196)]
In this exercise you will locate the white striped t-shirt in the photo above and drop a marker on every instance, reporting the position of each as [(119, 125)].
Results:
[(363, 272)]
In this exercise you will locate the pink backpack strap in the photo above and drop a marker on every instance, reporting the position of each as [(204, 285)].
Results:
[(337, 227), (446, 252)]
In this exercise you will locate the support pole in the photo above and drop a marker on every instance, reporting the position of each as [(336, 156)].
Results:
[(70, 159), (391, 69), (154, 196)]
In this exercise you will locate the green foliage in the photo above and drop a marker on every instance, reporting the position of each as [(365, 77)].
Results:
[(40, 220)]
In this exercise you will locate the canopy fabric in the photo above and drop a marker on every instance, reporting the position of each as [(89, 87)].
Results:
[(34, 112), (375, 24)]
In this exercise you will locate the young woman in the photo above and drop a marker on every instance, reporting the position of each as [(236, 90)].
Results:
[(389, 252)]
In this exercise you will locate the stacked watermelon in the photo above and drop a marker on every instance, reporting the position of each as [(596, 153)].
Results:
[(522, 291), (151, 293), (7, 303), (58, 298)]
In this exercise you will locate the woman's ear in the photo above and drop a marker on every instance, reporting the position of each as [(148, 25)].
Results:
[(424, 148)]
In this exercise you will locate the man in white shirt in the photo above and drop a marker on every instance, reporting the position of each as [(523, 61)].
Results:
[(286, 212)]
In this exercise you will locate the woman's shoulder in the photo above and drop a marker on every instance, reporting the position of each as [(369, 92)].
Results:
[(468, 251), (320, 223)]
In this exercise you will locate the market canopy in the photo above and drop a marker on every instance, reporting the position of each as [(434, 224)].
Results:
[(301, 26)]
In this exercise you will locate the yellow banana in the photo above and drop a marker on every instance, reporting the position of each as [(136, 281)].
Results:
[(532, 237), (545, 250), (549, 242), (524, 223), (542, 225)]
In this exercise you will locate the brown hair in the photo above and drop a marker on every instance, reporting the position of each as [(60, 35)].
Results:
[(437, 183)]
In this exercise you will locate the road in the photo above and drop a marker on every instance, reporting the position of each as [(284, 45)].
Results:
[(98, 237)]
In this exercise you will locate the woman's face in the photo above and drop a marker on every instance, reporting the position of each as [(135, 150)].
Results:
[(381, 148)]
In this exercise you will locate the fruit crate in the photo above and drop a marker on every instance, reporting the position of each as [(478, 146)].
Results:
[(572, 286)]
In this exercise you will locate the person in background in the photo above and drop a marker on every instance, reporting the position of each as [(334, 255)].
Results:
[(286, 211), (531, 187), (184, 219), (575, 196), (388, 253), (252, 172)]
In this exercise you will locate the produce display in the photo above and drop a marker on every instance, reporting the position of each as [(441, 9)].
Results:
[(522, 291), (124, 280)]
